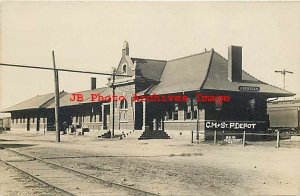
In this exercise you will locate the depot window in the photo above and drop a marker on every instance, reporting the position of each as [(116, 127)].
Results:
[(123, 110), (195, 108), (175, 111), (169, 111), (188, 109), (252, 104), (191, 109), (219, 104), (123, 104)]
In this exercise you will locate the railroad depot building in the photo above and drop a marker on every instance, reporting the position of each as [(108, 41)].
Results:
[(203, 80)]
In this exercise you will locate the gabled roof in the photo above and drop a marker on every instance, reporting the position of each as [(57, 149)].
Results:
[(184, 74), (149, 68), (39, 101), (206, 71)]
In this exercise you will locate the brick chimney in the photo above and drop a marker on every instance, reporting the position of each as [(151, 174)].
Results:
[(235, 63), (125, 50), (93, 83)]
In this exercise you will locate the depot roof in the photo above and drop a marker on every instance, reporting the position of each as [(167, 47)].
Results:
[(207, 71), (37, 102), (86, 95), (47, 101)]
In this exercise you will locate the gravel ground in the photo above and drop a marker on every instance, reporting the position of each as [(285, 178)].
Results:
[(171, 167)]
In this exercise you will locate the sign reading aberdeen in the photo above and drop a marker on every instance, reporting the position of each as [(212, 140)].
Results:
[(249, 88)]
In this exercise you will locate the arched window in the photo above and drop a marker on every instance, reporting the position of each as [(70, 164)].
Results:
[(124, 69), (124, 104), (123, 110)]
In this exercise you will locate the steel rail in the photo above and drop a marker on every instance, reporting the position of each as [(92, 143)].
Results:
[(138, 191), (36, 179)]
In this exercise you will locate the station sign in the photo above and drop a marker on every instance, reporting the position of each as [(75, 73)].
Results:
[(249, 88), (234, 125)]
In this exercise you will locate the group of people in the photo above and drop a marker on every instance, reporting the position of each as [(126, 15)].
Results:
[(68, 128)]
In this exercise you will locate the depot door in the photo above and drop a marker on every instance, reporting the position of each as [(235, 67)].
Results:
[(106, 116), (138, 118)]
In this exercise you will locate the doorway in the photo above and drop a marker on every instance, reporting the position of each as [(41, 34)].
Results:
[(106, 115), (138, 118)]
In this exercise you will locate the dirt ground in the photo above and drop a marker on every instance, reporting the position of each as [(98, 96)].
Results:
[(166, 167)]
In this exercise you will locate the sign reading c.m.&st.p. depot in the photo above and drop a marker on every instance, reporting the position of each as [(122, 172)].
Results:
[(231, 125)]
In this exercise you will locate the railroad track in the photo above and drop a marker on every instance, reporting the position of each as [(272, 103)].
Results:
[(64, 180)]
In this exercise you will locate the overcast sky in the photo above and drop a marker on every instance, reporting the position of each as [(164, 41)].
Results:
[(90, 35)]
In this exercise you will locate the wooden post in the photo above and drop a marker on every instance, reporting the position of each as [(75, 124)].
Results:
[(215, 137), (198, 126), (154, 125), (244, 138), (102, 113), (278, 139), (144, 115), (113, 104), (223, 137), (192, 136), (162, 124), (56, 83)]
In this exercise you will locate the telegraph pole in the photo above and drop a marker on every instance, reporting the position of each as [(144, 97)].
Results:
[(284, 72), (56, 83), (113, 105)]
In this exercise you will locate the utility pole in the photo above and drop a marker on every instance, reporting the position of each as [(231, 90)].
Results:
[(197, 125), (56, 83), (283, 72), (113, 105)]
